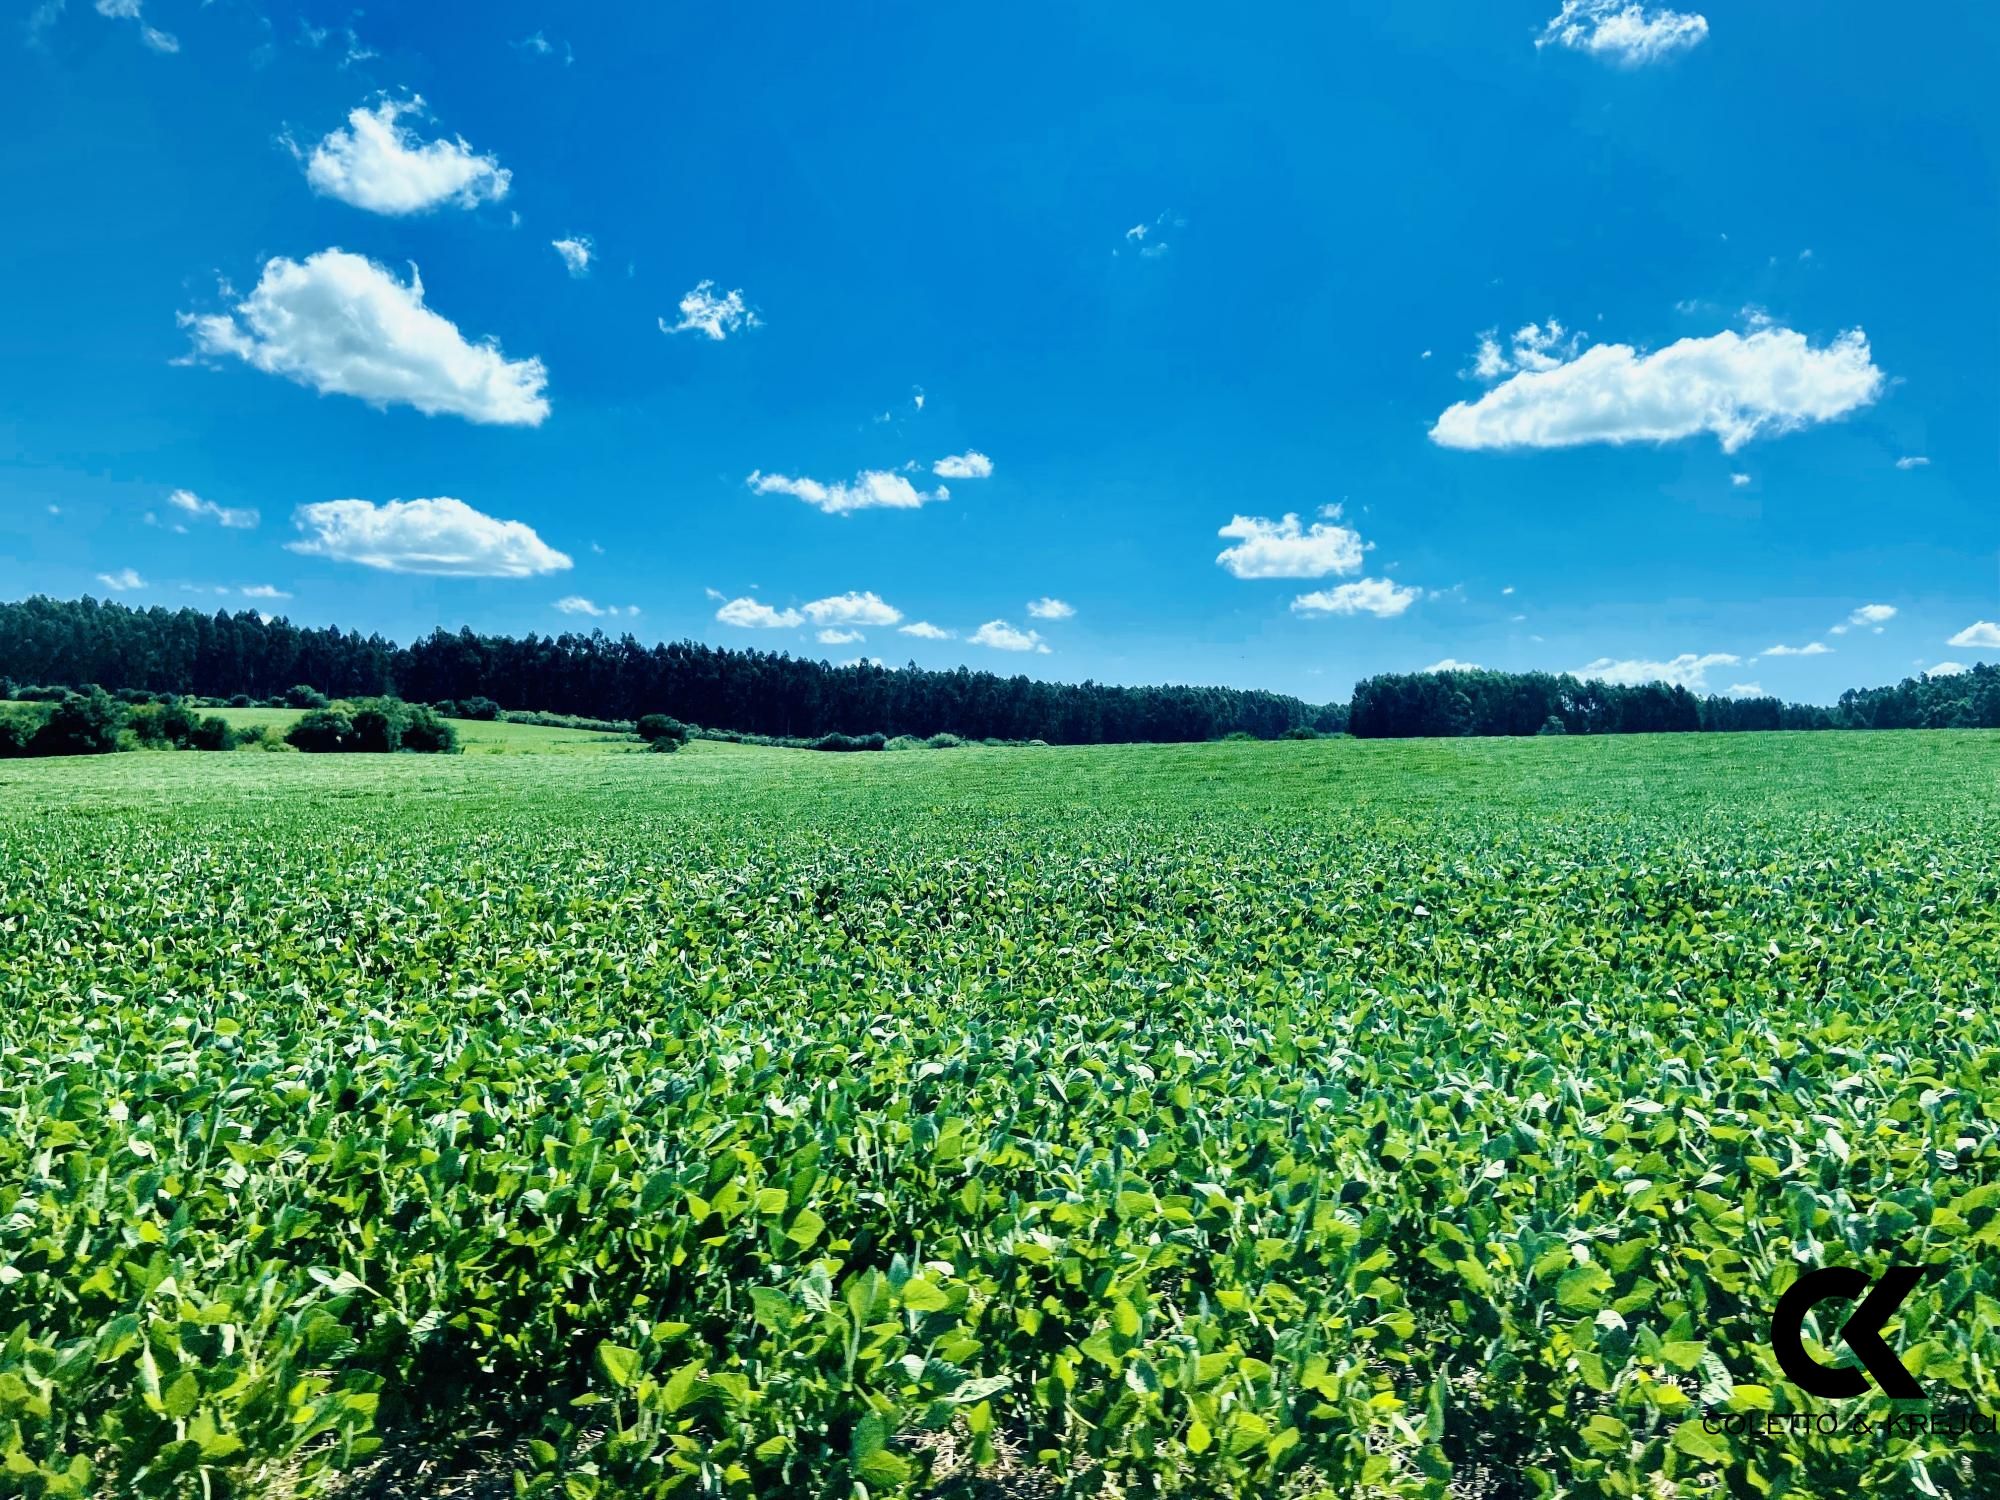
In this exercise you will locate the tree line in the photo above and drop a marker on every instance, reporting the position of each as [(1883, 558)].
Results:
[(48, 641), (1409, 704), (226, 655)]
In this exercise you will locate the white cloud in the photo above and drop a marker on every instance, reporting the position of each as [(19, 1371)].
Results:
[(123, 579), (1048, 608), (1365, 596), (1283, 549), (873, 489), (540, 45), (1913, 461), (833, 637), (923, 630), (1945, 669), (1811, 648), (1876, 615), (230, 517), (718, 317), (576, 251), (1004, 637), (1453, 664), (852, 609), (117, 10), (1623, 32), (1146, 235), (264, 591), (1735, 386), (1739, 480), (1535, 346), (340, 323), (442, 537), (385, 167), (1744, 690), (967, 465), (576, 604), (748, 614), (1686, 670), (1981, 633)]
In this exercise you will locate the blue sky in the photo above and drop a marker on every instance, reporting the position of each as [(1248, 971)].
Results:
[(1640, 337)]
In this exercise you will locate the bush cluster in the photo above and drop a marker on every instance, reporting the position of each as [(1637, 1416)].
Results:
[(373, 726)]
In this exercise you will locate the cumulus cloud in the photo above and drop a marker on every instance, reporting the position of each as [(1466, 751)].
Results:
[(1811, 648), (1735, 386), (1048, 608), (342, 324), (1981, 633), (1453, 664), (1739, 480), (1913, 461), (1876, 615), (852, 609), (576, 604), (207, 510), (1285, 549), (1686, 670), (1744, 690), (264, 591), (1004, 637), (967, 465), (833, 637), (576, 252), (873, 489), (123, 579), (1365, 596), (702, 311), (923, 630), (379, 164), (1945, 669), (1622, 32), (442, 537), (748, 614)]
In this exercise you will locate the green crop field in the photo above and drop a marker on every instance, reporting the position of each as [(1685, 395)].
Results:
[(1328, 1118)]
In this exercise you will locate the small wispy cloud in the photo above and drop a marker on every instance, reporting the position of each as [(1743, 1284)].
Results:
[(703, 311), (122, 580), (230, 517), (1049, 608), (576, 252)]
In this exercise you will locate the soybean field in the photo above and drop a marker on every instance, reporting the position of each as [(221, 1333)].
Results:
[(1336, 1118)]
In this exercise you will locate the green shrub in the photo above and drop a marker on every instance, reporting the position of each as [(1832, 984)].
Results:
[(848, 742), (81, 724), (429, 733), (944, 742), (378, 725), (483, 709), (1302, 732), (657, 727), (1553, 725), (665, 745), (305, 696), (242, 700), (212, 733), (19, 724), (322, 731)]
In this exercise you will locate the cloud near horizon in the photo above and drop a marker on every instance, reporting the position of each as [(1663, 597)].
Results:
[(442, 537)]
